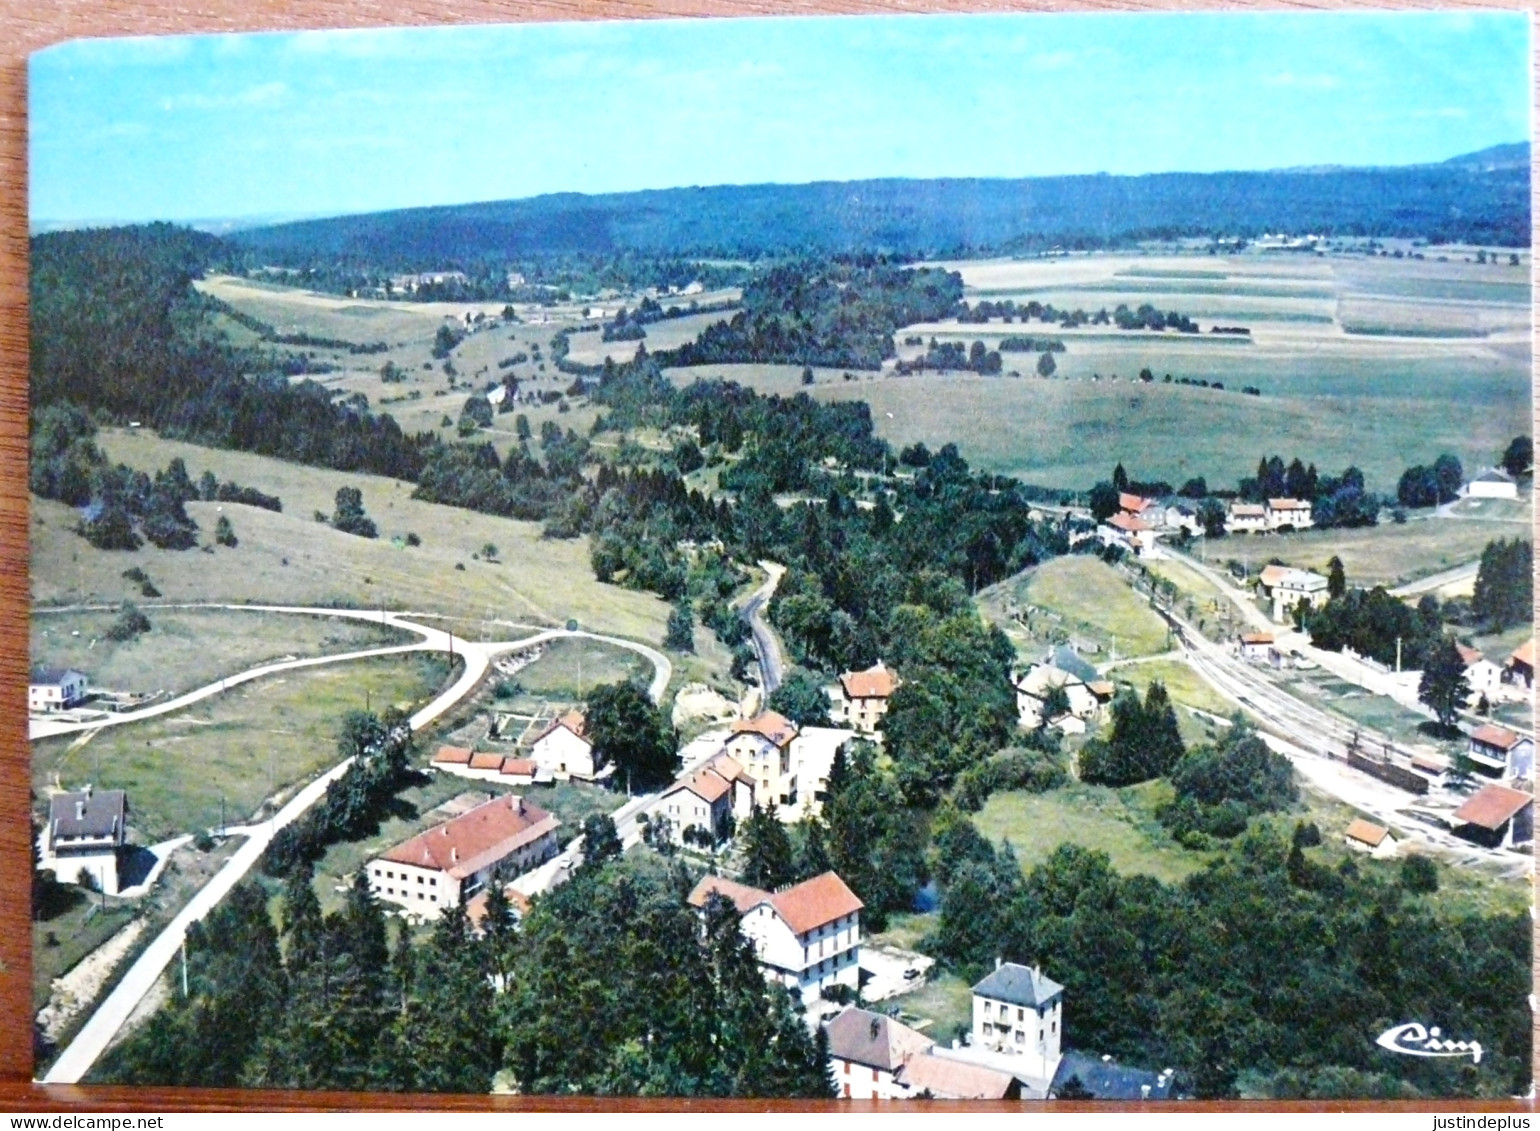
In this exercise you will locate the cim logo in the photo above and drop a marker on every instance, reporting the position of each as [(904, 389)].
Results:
[(1412, 1039)]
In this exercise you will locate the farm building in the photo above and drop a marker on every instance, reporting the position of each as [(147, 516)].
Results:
[(1289, 514), (1493, 483), (449, 863), (1246, 518), (1256, 646), (1497, 817), (564, 749), (1032, 691)]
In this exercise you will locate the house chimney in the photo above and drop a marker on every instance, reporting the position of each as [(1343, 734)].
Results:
[(80, 809), (999, 962), (88, 791), (454, 855)]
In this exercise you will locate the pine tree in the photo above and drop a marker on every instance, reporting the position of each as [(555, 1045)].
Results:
[(1443, 687), (766, 848)]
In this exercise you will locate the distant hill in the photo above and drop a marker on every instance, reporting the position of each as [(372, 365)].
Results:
[(1480, 197)]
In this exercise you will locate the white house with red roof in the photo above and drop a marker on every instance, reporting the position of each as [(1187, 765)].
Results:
[(762, 746), (1246, 518), (565, 749), (1520, 670), (1289, 514), (807, 937), (1129, 531), (1484, 677), (698, 803), (1497, 817), (861, 698), (1287, 587), (449, 863)]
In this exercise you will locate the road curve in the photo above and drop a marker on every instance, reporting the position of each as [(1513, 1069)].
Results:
[(76, 1060)]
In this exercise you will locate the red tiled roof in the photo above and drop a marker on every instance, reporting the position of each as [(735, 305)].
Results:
[(725, 766), (1129, 523), (1133, 503), (452, 756), (572, 720), (1492, 805), (706, 784), (1271, 575), (1367, 832), (520, 766), (1525, 653), (776, 727), (1257, 638), (1247, 510), (953, 1080), (1288, 505), (476, 838), (814, 902), (872, 1039), (486, 760), (876, 682), (1430, 763), (1489, 734), (1101, 688), (741, 896), (1469, 656)]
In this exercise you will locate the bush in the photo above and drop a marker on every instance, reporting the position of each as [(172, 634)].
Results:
[(413, 540), (130, 623), (1419, 874), (1035, 771)]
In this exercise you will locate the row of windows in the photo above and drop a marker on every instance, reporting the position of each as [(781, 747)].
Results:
[(432, 880), (407, 893)]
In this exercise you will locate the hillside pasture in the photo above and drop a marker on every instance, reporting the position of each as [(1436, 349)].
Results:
[(1080, 598), (244, 746), (590, 348), (188, 648), (290, 558), (1386, 554)]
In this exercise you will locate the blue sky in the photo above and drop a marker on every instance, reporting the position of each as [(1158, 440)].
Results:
[(322, 123)]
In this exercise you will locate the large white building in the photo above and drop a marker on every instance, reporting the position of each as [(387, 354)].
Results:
[(1493, 483), (762, 746), (1019, 1012), (449, 863), (1286, 587), (807, 937)]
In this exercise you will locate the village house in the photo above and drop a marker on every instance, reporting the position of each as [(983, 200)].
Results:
[(1256, 646), (1367, 837), (1499, 752), (807, 937), (1032, 695), (86, 832), (867, 1051), (1129, 532), (861, 699), (1497, 817), (449, 863), (939, 1078), (1287, 587), (1492, 483), (1520, 671), (565, 750), (55, 689), (1018, 1012), (1484, 677), (700, 804), (1288, 514), (762, 746), (1246, 518)]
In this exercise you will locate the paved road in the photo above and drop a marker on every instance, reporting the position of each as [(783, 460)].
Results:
[(767, 647), (76, 1060)]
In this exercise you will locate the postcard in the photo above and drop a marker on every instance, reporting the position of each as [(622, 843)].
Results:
[(973, 557)]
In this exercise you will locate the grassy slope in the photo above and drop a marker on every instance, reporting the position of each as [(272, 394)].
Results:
[(1090, 601), (185, 649), (242, 746), (290, 558)]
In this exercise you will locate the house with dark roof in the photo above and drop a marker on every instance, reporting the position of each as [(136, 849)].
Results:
[(55, 689), (1018, 1011), (1497, 817), (86, 833), (1082, 1076), (1492, 483), (451, 862), (807, 936), (1499, 752)]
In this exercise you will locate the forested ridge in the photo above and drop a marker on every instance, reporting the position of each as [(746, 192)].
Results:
[(1485, 201)]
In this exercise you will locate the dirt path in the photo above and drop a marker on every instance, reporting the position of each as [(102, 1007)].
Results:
[(76, 988)]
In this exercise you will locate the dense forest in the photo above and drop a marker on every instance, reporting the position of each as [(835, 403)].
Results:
[(1479, 199)]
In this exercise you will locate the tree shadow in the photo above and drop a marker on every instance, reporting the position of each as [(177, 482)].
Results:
[(52, 899), (1434, 729)]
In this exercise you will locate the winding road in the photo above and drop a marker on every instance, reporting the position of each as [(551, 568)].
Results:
[(93, 1038), (767, 649)]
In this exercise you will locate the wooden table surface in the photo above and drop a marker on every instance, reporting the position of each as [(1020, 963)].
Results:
[(28, 25)]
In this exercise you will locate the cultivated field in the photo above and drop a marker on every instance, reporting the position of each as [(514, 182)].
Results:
[(254, 741), (188, 648), (290, 558)]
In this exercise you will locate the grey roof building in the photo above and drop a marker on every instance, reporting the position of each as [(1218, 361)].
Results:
[(1019, 985), (1106, 1079), (87, 821)]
